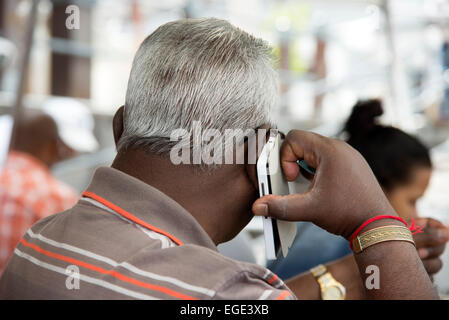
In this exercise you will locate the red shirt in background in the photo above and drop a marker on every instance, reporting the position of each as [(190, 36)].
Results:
[(28, 192)]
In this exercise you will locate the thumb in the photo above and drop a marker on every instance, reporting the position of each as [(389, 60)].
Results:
[(293, 207)]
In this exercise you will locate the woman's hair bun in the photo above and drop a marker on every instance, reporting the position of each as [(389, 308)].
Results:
[(363, 118)]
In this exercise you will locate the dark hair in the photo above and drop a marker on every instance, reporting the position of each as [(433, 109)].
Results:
[(391, 153)]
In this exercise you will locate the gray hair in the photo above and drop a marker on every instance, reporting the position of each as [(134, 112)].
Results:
[(204, 70)]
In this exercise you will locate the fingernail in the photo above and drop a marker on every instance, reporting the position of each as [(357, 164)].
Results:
[(261, 209), (423, 253)]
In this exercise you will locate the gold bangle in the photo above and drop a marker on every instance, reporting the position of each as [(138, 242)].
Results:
[(381, 234)]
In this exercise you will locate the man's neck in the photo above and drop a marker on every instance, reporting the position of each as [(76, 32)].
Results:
[(207, 196)]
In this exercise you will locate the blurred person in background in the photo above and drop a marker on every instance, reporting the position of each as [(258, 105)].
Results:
[(402, 166), (28, 191), (401, 163)]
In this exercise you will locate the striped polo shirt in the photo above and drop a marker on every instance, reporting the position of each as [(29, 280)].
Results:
[(125, 239)]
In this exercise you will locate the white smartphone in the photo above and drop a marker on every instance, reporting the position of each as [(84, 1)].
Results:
[(278, 234)]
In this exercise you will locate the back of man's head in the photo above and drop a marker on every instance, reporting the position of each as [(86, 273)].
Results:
[(36, 134), (202, 70)]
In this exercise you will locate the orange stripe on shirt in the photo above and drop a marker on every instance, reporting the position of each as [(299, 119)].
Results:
[(113, 273), (283, 295), (273, 279), (128, 215)]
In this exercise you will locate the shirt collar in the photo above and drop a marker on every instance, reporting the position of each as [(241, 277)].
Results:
[(148, 205)]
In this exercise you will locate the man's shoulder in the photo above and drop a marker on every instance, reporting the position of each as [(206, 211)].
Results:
[(54, 219), (117, 259)]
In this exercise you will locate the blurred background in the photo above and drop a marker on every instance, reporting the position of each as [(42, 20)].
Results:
[(329, 54)]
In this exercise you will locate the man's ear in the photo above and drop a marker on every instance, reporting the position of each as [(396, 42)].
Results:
[(117, 124), (257, 143), (251, 156)]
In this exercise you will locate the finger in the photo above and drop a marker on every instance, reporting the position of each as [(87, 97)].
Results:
[(294, 207), (429, 223), (433, 223), (431, 252), (288, 161), (433, 265), (423, 253), (300, 145), (431, 237)]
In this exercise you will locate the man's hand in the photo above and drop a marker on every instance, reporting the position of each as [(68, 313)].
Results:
[(431, 243), (344, 191), (343, 194)]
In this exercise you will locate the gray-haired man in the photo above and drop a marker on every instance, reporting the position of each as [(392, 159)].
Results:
[(147, 228)]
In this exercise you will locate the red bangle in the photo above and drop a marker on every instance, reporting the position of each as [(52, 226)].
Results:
[(415, 229)]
